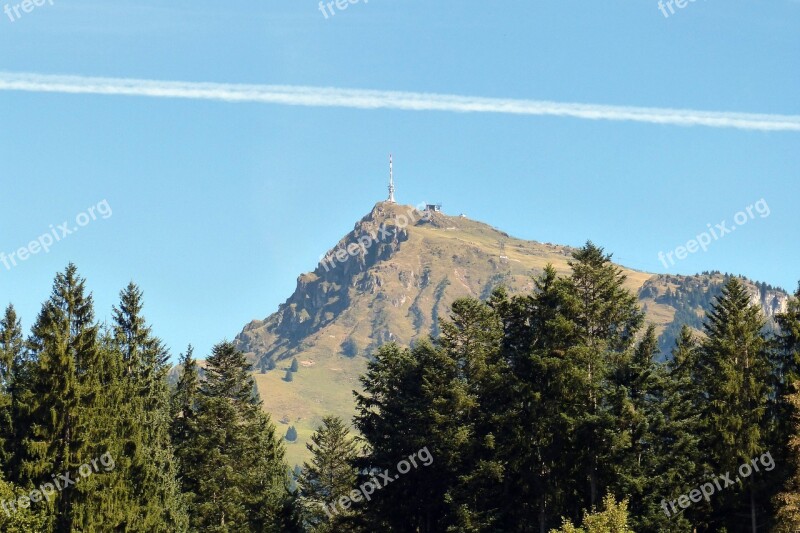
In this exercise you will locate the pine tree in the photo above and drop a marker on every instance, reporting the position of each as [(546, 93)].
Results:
[(536, 428), (184, 430), (639, 385), (412, 399), (270, 507), (291, 434), (64, 337), (787, 414), (294, 366), (11, 353), (604, 319), (735, 372), (72, 396), (788, 501), (329, 476), (289, 377), (236, 463), (153, 469)]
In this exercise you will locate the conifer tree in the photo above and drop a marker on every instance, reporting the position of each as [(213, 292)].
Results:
[(787, 414), (11, 353), (73, 395), (735, 372), (785, 362), (153, 470), (788, 501), (238, 465), (64, 337), (329, 476), (184, 429), (604, 319), (412, 399), (678, 463), (294, 367), (270, 507), (638, 383), (536, 433)]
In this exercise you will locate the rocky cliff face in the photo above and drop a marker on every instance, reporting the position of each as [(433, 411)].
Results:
[(322, 296)]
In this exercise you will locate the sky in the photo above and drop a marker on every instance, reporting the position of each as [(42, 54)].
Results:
[(214, 207)]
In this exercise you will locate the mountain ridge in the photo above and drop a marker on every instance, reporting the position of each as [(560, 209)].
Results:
[(394, 277)]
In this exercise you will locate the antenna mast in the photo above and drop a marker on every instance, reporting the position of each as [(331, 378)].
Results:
[(391, 181)]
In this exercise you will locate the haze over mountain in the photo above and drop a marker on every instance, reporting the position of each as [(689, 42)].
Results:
[(394, 277)]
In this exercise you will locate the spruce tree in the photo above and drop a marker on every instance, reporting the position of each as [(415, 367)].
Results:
[(604, 319), (64, 338), (638, 383), (72, 396), (681, 459), (412, 399), (184, 430), (270, 507), (735, 372), (238, 466), (153, 469), (329, 476), (786, 414), (788, 501), (294, 367), (11, 353)]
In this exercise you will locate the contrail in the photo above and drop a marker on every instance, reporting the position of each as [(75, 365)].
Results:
[(369, 99)]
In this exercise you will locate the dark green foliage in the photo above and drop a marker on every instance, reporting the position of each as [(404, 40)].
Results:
[(289, 377), (185, 430), (146, 415), (530, 408), (11, 354), (734, 375), (411, 401), (329, 476), (235, 467)]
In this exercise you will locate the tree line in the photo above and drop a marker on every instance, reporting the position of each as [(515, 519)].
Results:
[(202, 456), (550, 412), (540, 412)]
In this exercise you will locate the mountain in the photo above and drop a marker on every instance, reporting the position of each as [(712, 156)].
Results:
[(393, 278)]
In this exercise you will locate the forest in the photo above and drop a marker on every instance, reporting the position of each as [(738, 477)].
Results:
[(542, 412)]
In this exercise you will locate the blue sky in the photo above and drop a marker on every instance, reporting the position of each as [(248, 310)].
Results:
[(218, 207)]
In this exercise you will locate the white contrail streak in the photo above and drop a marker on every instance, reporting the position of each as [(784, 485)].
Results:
[(366, 99)]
